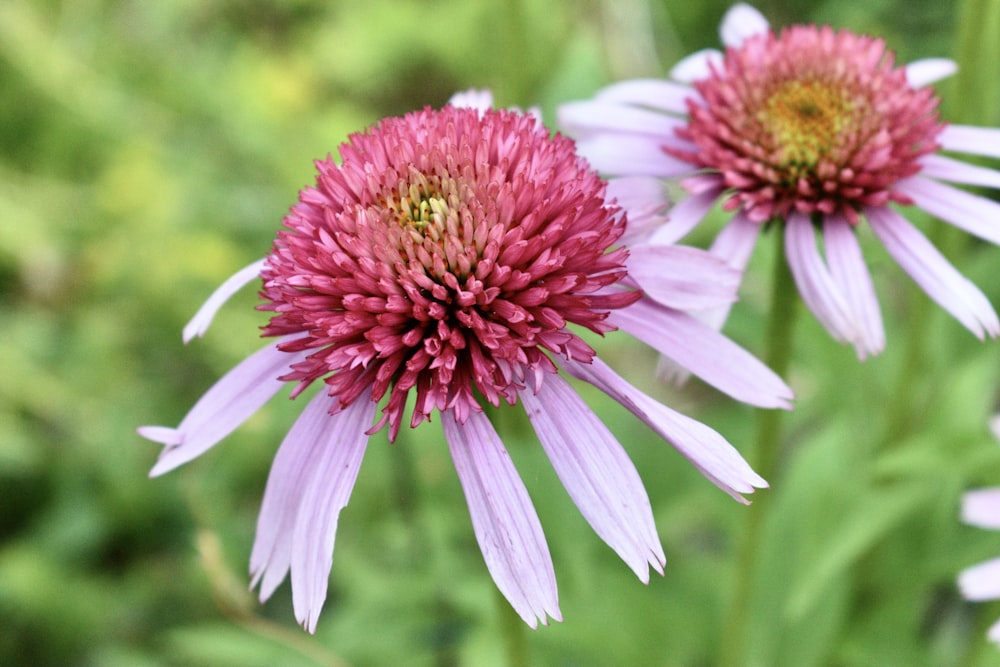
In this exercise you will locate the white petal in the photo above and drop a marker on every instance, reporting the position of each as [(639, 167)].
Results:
[(981, 582), (651, 93), (814, 281), (740, 23), (696, 66), (850, 273), (339, 442), (597, 473), (203, 318), (956, 171), (503, 518), (708, 451), (995, 425), (919, 73), (972, 213), (480, 100), (705, 352), (981, 507), (230, 402), (935, 275), (993, 634), (630, 155), (682, 277), (686, 214), (970, 139)]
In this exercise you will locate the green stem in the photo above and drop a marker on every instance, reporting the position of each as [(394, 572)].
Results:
[(778, 356)]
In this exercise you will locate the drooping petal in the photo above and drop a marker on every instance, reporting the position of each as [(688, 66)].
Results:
[(814, 281), (230, 402), (624, 155), (503, 518), (935, 275), (682, 277), (597, 473), (850, 273), (976, 215), (294, 465), (650, 93), (981, 507), (740, 23), (734, 245), (708, 451), (956, 171), (969, 139), (339, 445), (920, 73), (705, 352), (981, 582), (581, 118), (687, 213), (199, 324)]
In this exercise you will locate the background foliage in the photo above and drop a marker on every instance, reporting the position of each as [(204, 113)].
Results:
[(151, 149)]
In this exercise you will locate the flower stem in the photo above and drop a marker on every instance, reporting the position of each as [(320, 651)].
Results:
[(778, 355)]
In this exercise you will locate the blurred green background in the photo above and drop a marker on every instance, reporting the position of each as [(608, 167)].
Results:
[(150, 149)]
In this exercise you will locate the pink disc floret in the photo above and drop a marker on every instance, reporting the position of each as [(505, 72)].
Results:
[(446, 255)]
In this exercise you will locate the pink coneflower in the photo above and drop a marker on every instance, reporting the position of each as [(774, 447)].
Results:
[(440, 265), (981, 508), (815, 129)]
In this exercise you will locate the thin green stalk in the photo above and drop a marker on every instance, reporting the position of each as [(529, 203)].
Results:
[(778, 355)]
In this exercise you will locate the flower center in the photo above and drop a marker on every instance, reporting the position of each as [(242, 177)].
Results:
[(812, 120), (442, 261)]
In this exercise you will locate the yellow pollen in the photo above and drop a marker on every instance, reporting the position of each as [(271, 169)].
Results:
[(806, 121)]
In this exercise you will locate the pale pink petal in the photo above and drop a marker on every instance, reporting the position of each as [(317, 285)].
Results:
[(734, 245), (597, 473), (995, 425), (696, 66), (981, 582), (935, 275), (740, 23), (708, 451), (597, 115), (503, 518), (203, 318), (293, 465), (814, 281), (682, 277), (650, 93), (970, 139), (850, 273), (919, 73), (645, 201), (705, 352), (972, 213), (687, 213), (338, 443), (230, 402), (981, 507), (625, 155), (956, 171)]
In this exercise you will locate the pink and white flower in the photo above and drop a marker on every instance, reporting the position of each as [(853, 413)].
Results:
[(816, 130), (981, 507), (442, 264)]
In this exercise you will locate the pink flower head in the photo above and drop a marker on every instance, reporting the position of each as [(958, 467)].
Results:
[(445, 260), (981, 507), (815, 129)]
